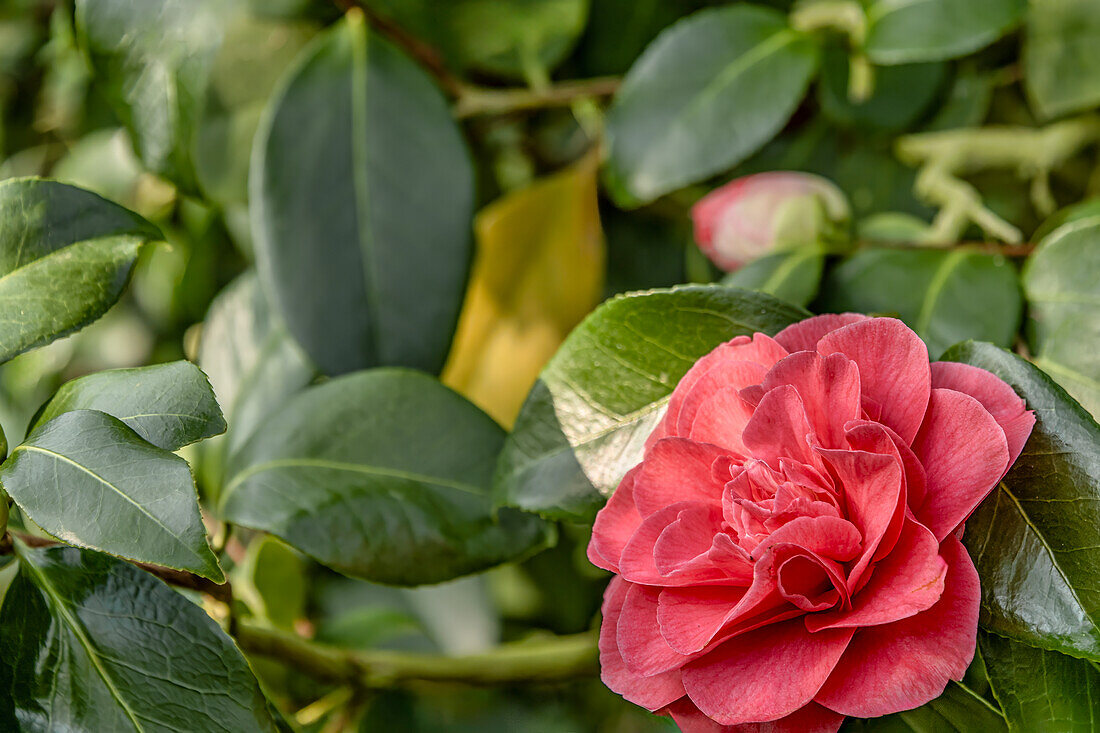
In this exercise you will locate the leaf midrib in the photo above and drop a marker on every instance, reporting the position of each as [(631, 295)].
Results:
[(935, 288), (78, 631), (360, 182), (65, 459), (727, 76), (1050, 553), (127, 238)]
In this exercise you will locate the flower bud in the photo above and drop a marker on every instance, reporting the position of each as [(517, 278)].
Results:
[(755, 215)]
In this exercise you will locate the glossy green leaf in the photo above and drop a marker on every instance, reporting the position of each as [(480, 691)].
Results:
[(904, 31), (1036, 539), (369, 203), (790, 276), (382, 475), (510, 38), (65, 257), (706, 94), (1061, 56), (1041, 691), (586, 420), (946, 296), (92, 643), (88, 479), (272, 582), (152, 62), (1063, 296), (957, 710), (900, 95), (253, 364), (169, 405)]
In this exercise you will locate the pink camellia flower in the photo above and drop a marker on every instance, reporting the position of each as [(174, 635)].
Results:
[(787, 552), (753, 216)]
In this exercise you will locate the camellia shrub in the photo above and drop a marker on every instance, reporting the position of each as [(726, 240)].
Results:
[(549, 365)]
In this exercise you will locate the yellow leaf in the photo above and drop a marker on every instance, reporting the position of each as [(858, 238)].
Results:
[(539, 269)]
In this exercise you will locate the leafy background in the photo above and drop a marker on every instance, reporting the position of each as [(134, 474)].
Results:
[(389, 228)]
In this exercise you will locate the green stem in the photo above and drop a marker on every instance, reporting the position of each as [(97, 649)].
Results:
[(844, 16), (947, 155), (554, 659), (4, 502), (473, 101)]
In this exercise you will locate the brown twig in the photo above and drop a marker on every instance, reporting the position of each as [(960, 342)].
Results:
[(1013, 251), (428, 56)]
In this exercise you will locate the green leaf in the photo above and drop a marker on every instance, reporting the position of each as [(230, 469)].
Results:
[(152, 62), (904, 31), (619, 30), (1061, 56), (901, 93), (94, 644), (509, 38), (369, 203), (1063, 295), (706, 94), (586, 420), (382, 475), (1041, 690), (253, 364), (65, 257), (89, 480), (272, 582), (169, 405), (968, 101), (790, 276), (946, 296), (1036, 539), (958, 710)]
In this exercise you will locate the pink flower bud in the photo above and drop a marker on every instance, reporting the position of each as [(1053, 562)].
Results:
[(753, 216)]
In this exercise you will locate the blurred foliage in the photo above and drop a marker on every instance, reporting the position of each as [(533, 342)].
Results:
[(981, 133)]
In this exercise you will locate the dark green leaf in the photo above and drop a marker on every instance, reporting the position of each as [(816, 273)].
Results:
[(707, 93), (1061, 56), (65, 257), (369, 203), (901, 93), (904, 31), (1041, 691), (619, 30), (643, 251), (272, 581), (946, 296), (1063, 295), (153, 61), (88, 479), (586, 420), (967, 103), (1086, 209), (1036, 539), (94, 644), (512, 38), (253, 364), (790, 276), (382, 475), (957, 710), (169, 405)]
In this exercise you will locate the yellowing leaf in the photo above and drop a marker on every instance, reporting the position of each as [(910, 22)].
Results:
[(538, 271)]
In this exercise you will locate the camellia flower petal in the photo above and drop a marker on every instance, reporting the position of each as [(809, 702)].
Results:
[(755, 215), (786, 553)]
